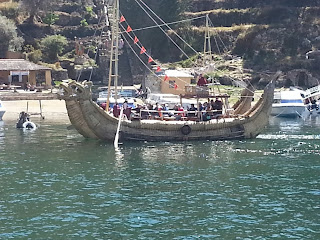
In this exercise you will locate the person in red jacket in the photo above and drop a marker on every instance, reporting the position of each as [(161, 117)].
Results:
[(202, 81)]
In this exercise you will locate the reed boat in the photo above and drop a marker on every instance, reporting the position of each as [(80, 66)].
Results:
[(90, 120)]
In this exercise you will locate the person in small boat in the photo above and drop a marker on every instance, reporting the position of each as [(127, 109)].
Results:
[(23, 117), (202, 81)]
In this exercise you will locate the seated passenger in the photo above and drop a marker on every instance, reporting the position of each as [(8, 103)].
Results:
[(179, 109), (144, 113), (217, 106), (192, 111), (208, 115)]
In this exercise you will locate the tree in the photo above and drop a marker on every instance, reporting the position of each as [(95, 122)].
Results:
[(52, 46), (9, 38)]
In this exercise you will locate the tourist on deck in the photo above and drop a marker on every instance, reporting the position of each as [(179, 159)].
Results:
[(138, 109), (178, 112), (202, 81), (208, 115), (217, 106), (192, 110), (144, 112), (116, 110), (200, 108)]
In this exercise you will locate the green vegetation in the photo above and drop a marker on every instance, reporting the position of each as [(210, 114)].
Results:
[(83, 23), (9, 39), (32, 54), (52, 46), (33, 7), (50, 18)]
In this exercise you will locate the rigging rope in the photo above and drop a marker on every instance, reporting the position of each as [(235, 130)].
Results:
[(162, 29), (225, 48), (171, 23), (168, 26), (94, 34), (140, 59)]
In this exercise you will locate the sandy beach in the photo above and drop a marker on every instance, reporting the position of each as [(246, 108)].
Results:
[(46, 102), (52, 110)]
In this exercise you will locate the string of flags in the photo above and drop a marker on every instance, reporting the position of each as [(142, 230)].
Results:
[(143, 50)]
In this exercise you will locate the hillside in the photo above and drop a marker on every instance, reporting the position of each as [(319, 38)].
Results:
[(250, 38), (268, 35)]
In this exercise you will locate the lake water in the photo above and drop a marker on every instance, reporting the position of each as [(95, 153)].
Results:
[(57, 185)]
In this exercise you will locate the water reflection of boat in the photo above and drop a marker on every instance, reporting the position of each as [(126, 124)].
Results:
[(2, 110), (288, 104)]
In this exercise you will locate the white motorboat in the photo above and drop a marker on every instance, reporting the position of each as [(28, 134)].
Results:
[(288, 104), (2, 110)]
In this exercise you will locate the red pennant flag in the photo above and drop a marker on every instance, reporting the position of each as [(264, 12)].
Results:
[(150, 59), (166, 78), (175, 86), (158, 69), (129, 29), (135, 40), (143, 50), (122, 19)]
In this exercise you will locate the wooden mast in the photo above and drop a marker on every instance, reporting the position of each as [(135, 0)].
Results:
[(114, 55), (207, 52)]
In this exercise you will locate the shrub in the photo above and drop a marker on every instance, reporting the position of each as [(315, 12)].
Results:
[(84, 23), (52, 46), (32, 54), (50, 19)]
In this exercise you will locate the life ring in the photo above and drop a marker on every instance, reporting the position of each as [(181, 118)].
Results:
[(185, 130), (29, 125)]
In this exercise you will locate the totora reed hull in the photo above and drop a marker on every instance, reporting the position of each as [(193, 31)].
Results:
[(92, 121)]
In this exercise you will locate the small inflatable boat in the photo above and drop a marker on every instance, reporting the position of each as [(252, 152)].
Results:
[(29, 125), (24, 122)]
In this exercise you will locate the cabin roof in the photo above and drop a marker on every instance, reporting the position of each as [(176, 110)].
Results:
[(177, 73), (20, 65)]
